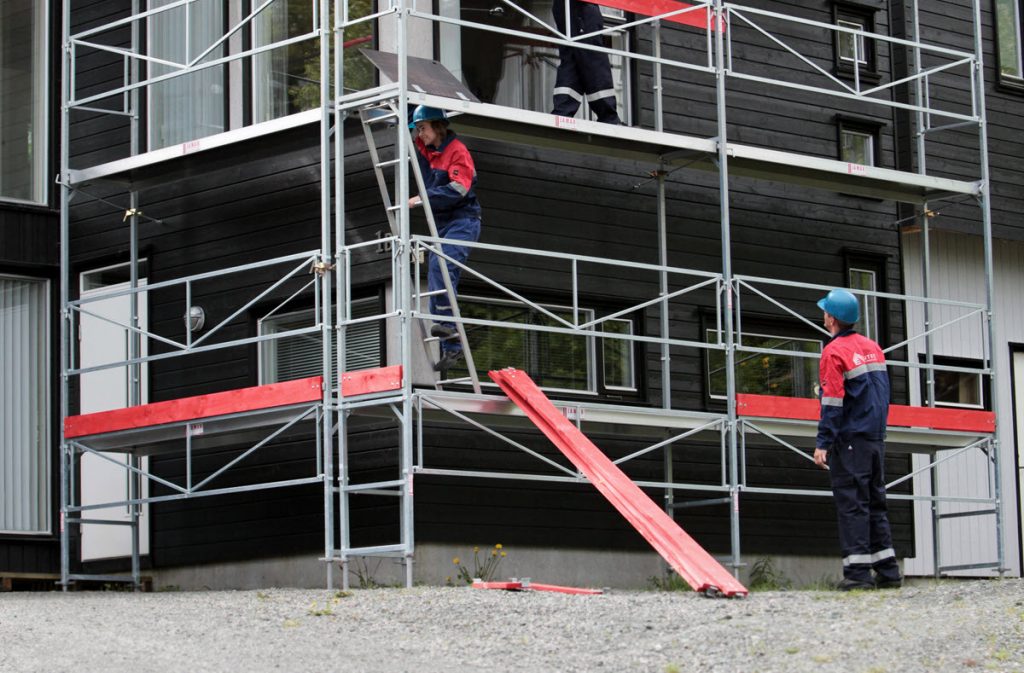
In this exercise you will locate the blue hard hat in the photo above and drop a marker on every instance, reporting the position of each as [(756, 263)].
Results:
[(841, 305), (422, 113)]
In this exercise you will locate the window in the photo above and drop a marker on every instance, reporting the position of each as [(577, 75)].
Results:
[(565, 362), (851, 49), (505, 70), (24, 405), (766, 373), (191, 106), (296, 357), (850, 46), (865, 279), (858, 140), (23, 100), (1008, 37), (967, 390)]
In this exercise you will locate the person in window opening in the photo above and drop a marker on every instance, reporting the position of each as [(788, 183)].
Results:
[(449, 177), (851, 445), (583, 71)]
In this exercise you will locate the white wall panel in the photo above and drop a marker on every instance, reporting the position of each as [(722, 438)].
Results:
[(957, 273)]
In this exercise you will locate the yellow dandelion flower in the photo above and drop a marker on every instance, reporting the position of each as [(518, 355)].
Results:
[(503, 554), (455, 560), (476, 550), (494, 552), (497, 546)]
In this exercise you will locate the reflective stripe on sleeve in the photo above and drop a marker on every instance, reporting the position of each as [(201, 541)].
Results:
[(459, 187), (857, 559), (831, 401)]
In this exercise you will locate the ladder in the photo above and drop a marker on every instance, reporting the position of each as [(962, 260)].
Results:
[(387, 113)]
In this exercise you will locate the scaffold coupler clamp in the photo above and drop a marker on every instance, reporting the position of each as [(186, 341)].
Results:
[(320, 267)]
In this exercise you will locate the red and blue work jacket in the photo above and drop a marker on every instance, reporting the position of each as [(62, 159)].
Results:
[(450, 178), (854, 390)]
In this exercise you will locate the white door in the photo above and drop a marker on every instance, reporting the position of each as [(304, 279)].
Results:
[(1018, 415), (102, 342)]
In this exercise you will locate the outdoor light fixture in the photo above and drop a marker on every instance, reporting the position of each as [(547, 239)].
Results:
[(195, 319)]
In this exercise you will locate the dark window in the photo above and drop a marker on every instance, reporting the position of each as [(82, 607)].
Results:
[(769, 370), (858, 140), (965, 390), (1009, 46), (854, 50), (866, 271)]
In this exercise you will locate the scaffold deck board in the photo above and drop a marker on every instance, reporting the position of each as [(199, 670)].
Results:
[(804, 409), (194, 408), (695, 565), (367, 381)]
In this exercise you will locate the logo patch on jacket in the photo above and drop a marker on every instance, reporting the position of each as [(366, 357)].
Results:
[(455, 172)]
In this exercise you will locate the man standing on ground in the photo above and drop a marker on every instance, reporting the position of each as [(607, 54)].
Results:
[(851, 444)]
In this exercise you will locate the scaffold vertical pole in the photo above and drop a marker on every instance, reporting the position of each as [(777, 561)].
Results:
[(727, 285), (337, 479), (65, 322), (986, 220)]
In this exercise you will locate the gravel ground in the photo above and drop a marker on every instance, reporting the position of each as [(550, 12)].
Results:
[(930, 627)]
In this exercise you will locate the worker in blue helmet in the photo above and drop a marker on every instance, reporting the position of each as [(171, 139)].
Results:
[(449, 177), (851, 444)]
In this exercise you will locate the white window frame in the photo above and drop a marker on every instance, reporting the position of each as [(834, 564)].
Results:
[(869, 150), (1009, 32), (711, 336), (42, 509), (868, 304), (268, 371), (856, 42), (40, 137)]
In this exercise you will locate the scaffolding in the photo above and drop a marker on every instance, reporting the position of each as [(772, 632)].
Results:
[(406, 401)]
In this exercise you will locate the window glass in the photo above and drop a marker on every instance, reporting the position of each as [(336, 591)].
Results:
[(23, 100), (300, 356), (851, 47), (24, 405), (514, 72), (957, 389), (1009, 38), (864, 279), (191, 106), (857, 147), (617, 356), (766, 373), (287, 79)]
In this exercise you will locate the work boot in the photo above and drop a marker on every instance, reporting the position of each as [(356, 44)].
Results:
[(846, 584), (448, 358), (888, 583), (442, 331)]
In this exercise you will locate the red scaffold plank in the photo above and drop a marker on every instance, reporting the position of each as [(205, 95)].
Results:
[(503, 586), (697, 567), (365, 381), (804, 409), (697, 18), (193, 408), (536, 586)]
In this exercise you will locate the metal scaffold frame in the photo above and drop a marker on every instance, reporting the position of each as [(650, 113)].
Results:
[(411, 407)]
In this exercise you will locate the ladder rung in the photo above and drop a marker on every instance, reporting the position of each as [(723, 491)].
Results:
[(372, 118), (391, 209), (389, 162)]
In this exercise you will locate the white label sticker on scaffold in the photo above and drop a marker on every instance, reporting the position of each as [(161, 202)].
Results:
[(856, 169), (565, 122), (193, 429), (573, 413), (190, 146)]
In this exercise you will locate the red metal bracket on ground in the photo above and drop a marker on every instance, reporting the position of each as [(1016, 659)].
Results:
[(193, 408), (700, 570), (804, 409), (526, 585), (366, 381), (697, 18)]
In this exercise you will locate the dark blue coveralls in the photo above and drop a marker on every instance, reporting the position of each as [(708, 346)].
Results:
[(582, 71), (854, 414), (450, 179)]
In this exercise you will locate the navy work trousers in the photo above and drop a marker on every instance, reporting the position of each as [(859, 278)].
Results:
[(857, 472), (582, 71), (462, 229)]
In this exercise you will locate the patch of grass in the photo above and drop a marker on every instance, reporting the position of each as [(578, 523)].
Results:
[(672, 668), (792, 650), (315, 611), (670, 581), (484, 567), (766, 576), (822, 658), (290, 623)]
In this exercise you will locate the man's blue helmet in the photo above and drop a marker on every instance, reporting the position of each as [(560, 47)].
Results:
[(841, 305), (422, 113)]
